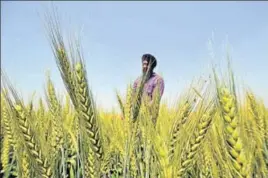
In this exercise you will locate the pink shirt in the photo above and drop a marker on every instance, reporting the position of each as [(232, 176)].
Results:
[(151, 84)]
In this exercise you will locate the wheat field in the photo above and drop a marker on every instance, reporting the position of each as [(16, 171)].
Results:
[(211, 132)]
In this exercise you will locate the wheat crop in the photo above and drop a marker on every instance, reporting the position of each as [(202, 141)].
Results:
[(210, 131)]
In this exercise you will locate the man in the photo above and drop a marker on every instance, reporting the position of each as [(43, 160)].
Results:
[(153, 88), (154, 81)]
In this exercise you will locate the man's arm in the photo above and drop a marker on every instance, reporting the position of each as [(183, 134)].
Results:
[(158, 90)]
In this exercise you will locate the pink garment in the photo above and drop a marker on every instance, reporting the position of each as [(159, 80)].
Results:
[(151, 84)]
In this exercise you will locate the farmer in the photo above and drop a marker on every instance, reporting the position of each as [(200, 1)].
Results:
[(153, 81), (153, 87)]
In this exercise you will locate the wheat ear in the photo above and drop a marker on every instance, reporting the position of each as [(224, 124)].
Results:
[(55, 109), (176, 128), (25, 165), (260, 153), (7, 124), (120, 102), (31, 143), (206, 167), (128, 104), (254, 110), (234, 142), (62, 58), (5, 153), (89, 165), (86, 110), (195, 143)]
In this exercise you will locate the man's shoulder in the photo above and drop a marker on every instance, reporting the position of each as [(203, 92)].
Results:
[(158, 78)]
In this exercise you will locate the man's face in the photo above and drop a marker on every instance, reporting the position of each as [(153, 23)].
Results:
[(144, 66)]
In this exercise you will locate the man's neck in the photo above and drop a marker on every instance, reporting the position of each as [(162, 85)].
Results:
[(151, 74)]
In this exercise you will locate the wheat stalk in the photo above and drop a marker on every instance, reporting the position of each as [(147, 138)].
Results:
[(195, 143)]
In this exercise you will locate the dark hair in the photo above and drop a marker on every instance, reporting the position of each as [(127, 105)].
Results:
[(151, 59)]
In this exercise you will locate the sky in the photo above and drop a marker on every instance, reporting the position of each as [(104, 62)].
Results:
[(114, 35)]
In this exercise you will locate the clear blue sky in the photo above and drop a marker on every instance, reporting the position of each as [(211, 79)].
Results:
[(116, 34)]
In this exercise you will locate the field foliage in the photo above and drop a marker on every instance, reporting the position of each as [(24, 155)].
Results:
[(213, 131)]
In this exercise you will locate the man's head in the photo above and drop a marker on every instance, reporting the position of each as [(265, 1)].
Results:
[(147, 61)]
